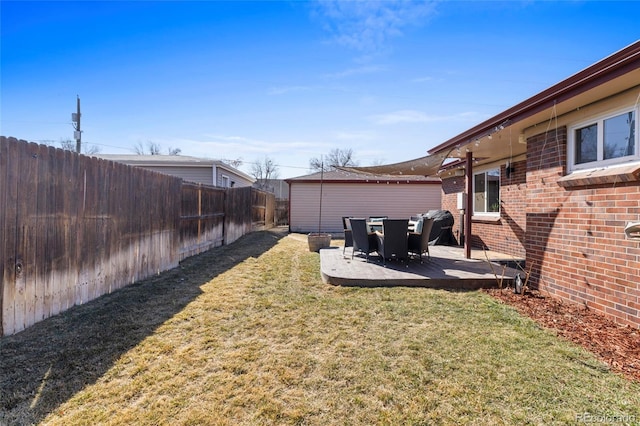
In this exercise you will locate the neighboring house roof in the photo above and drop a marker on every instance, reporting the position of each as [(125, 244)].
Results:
[(347, 176), (172, 160)]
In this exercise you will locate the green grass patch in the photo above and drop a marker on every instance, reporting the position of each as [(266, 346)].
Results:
[(249, 334)]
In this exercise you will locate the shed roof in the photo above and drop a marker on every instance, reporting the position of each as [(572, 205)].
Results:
[(351, 176)]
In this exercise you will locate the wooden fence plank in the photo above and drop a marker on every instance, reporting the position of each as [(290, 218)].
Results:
[(42, 224), (3, 203), (48, 272), (73, 203), (91, 223), (59, 238), (102, 285), (4, 219), (25, 277), (11, 238)]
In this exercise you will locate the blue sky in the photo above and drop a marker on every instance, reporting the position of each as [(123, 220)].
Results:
[(288, 80)]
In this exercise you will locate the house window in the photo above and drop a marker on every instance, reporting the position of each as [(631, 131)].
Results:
[(604, 141), (225, 181), (486, 192)]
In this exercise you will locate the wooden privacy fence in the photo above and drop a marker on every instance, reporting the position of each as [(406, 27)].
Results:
[(73, 227), (202, 219), (282, 212)]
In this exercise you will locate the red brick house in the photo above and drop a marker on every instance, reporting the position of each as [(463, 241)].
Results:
[(556, 179)]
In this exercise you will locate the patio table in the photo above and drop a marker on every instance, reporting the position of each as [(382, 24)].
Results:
[(375, 226)]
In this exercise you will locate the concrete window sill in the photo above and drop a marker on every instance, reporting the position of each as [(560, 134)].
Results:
[(485, 219), (609, 175)]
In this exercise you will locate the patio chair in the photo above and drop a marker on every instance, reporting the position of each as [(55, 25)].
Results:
[(348, 234), (392, 243), (419, 239), (363, 241)]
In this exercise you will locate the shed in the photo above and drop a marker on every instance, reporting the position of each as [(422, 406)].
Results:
[(346, 193)]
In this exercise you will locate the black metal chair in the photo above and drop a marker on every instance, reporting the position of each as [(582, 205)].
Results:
[(392, 244), (363, 241), (418, 243), (348, 233)]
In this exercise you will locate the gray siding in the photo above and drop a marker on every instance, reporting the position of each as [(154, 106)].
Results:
[(240, 181), (359, 200), (202, 175)]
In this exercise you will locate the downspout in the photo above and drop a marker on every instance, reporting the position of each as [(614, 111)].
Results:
[(469, 210)]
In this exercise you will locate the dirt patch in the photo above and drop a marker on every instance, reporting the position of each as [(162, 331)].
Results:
[(616, 345)]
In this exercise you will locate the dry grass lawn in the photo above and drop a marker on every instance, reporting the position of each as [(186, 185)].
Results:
[(249, 335)]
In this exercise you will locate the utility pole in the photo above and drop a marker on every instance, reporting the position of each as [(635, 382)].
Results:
[(77, 134)]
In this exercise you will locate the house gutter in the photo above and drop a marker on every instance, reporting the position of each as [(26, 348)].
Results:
[(615, 65)]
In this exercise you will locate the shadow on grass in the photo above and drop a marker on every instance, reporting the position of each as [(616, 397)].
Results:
[(45, 365)]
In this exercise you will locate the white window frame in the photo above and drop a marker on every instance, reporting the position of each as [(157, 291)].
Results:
[(600, 162), (224, 181), (484, 171)]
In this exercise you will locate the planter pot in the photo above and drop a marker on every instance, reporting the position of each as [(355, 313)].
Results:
[(318, 241)]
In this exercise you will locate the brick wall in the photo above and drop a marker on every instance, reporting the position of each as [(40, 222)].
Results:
[(507, 234), (575, 242), (450, 188)]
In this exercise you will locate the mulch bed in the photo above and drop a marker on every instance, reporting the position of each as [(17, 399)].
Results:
[(615, 344)]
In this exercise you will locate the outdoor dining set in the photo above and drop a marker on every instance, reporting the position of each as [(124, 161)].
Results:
[(391, 239)]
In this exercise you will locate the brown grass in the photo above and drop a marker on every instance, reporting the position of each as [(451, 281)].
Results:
[(248, 334)]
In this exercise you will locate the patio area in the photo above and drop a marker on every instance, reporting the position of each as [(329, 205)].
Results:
[(447, 269)]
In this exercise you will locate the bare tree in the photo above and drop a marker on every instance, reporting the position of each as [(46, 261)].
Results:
[(174, 151), (139, 148), (152, 148), (336, 158), (263, 170), (70, 145), (233, 163)]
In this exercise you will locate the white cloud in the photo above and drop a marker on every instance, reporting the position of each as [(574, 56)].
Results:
[(253, 145), (422, 79), (368, 69), (287, 89), (367, 25), (227, 146), (413, 116), (292, 157), (354, 136)]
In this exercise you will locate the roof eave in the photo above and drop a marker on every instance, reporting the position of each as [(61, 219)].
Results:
[(615, 65)]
